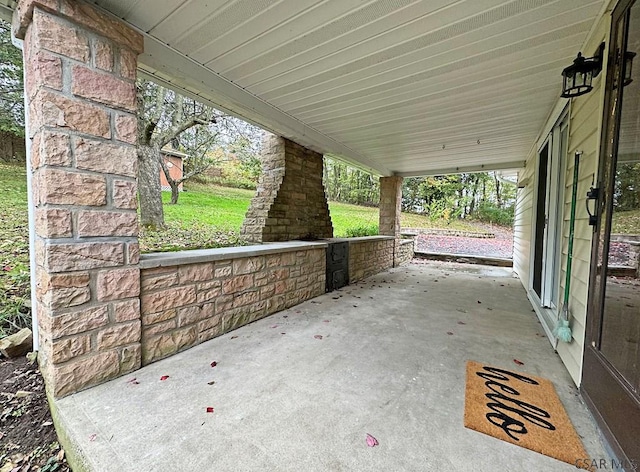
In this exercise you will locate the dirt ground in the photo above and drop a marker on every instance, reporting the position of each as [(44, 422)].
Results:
[(499, 246), (28, 441)]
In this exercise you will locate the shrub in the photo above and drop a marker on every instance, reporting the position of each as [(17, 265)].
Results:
[(490, 213), (362, 230)]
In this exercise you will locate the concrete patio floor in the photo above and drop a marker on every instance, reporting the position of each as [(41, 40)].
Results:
[(285, 400)]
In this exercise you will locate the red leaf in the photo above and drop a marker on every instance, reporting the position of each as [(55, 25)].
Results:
[(164, 377), (274, 326), (371, 441), (326, 321), (93, 437), (209, 409), (518, 362), (318, 336), (133, 381), (214, 363)]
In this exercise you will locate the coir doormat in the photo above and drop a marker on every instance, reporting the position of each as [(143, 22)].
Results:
[(520, 409)]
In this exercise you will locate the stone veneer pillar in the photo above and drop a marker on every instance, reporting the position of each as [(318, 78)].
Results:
[(80, 69), (290, 201), (390, 206)]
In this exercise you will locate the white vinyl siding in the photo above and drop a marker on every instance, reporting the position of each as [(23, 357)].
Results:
[(584, 135)]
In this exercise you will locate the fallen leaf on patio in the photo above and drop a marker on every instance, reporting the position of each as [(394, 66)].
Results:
[(518, 362), (234, 337), (211, 383), (318, 336), (285, 316), (449, 333), (371, 441), (479, 301), (164, 377), (283, 333), (274, 326), (214, 363), (461, 310), (133, 381), (326, 321), (461, 323), (93, 437), (356, 306), (298, 311), (436, 280), (209, 409)]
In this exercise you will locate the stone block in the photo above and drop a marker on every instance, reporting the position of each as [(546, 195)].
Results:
[(210, 323), (224, 303), (133, 253), (79, 321), (17, 344), (61, 187), (50, 33), (246, 298), (118, 335), (67, 297), (160, 281), (160, 346), (222, 270), (103, 88), (107, 223), (130, 358), (160, 328), (118, 284), (50, 149), (46, 281), (128, 64), (127, 310), (53, 223), (124, 194), (103, 55), (43, 70), (151, 318), (167, 299), (193, 314), (65, 349), (127, 128), (98, 156), (82, 256), (51, 109), (195, 273), (93, 19), (208, 291), (248, 265), (83, 372), (237, 284)]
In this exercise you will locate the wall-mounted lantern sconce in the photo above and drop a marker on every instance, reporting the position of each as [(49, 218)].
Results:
[(577, 78)]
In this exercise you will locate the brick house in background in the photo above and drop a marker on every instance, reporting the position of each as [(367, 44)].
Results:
[(175, 162)]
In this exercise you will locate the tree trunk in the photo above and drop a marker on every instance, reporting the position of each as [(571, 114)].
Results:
[(498, 192), (149, 189), (174, 191)]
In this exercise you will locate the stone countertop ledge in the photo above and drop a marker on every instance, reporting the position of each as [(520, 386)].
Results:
[(194, 256)]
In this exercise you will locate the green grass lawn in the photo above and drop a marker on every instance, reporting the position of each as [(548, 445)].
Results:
[(626, 222), (14, 250)]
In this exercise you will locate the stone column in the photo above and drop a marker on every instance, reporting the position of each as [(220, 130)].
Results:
[(80, 69), (390, 206), (290, 201)]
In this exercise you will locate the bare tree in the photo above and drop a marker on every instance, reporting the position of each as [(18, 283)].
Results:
[(163, 116)]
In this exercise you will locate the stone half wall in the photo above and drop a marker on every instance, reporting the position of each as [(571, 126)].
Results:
[(369, 256), (190, 297), (404, 251), (290, 201)]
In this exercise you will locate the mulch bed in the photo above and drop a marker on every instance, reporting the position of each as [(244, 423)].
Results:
[(28, 440)]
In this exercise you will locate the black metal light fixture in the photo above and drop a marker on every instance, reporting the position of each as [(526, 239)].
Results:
[(577, 78)]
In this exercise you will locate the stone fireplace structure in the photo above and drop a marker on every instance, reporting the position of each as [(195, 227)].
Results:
[(290, 201)]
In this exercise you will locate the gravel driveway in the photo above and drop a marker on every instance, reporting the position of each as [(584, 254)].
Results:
[(500, 246)]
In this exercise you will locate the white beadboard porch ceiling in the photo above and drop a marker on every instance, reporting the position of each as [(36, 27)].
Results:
[(397, 86)]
